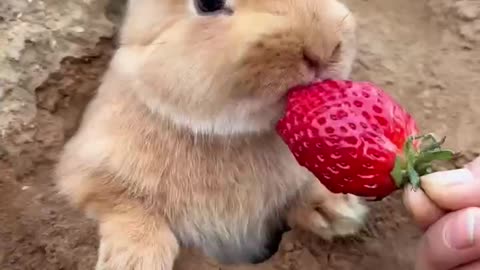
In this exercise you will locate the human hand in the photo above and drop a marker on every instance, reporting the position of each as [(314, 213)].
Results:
[(448, 209)]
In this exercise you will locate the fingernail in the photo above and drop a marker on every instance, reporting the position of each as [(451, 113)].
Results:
[(461, 233), (449, 178)]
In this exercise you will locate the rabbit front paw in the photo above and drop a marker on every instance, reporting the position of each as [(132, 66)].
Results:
[(135, 245), (328, 215)]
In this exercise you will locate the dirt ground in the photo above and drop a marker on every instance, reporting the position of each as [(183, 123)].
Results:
[(424, 52)]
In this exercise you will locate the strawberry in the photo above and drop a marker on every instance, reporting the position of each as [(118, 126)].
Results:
[(356, 139)]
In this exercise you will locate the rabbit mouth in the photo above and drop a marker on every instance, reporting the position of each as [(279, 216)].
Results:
[(323, 76), (320, 71), (320, 75)]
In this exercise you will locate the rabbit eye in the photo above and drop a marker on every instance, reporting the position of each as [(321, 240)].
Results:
[(211, 6)]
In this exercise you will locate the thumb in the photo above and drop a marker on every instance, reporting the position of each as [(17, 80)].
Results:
[(454, 189), (452, 241)]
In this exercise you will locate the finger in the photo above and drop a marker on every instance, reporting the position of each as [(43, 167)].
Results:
[(471, 266), (452, 190), (423, 210), (474, 167), (452, 241)]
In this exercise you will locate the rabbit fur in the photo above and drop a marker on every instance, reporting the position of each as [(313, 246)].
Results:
[(178, 148)]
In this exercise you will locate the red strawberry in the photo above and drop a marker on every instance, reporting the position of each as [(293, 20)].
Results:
[(356, 139)]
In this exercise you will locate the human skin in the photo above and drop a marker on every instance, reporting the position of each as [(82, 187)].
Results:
[(447, 208)]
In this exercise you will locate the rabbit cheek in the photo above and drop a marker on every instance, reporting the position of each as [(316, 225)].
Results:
[(270, 67)]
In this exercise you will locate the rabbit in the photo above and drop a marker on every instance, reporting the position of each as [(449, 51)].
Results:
[(178, 147)]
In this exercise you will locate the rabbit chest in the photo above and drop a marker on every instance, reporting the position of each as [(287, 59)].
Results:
[(230, 199)]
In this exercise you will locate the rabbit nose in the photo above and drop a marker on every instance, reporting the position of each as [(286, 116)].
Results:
[(313, 62)]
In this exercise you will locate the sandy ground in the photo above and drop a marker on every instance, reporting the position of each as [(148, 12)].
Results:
[(423, 52)]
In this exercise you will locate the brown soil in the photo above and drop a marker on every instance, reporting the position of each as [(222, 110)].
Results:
[(421, 51)]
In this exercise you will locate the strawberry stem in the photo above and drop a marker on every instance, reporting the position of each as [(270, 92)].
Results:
[(417, 161)]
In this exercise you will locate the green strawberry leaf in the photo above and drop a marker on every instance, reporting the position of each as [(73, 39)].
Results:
[(424, 168), (429, 156), (397, 172), (418, 162), (413, 176), (430, 143)]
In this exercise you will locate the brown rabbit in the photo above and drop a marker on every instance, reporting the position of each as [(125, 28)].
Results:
[(178, 147)]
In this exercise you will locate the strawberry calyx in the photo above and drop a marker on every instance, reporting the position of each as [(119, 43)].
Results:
[(418, 154)]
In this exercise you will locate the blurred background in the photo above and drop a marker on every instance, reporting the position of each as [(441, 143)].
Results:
[(53, 53)]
